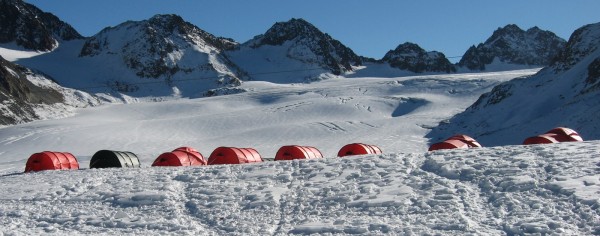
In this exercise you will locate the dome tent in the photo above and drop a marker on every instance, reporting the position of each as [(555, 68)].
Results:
[(457, 141), (565, 135), (358, 149), (556, 135), (183, 156), (297, 152), (471, 142), (108, 159), (540, 139), (449, 144), (232, 155), (51, 161)]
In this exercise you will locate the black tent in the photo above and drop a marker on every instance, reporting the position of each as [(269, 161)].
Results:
[(108, 158)]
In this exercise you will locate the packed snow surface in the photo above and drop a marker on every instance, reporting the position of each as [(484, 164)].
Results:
[(541, 189)]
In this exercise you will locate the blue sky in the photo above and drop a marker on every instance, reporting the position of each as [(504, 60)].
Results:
[(370, 28)]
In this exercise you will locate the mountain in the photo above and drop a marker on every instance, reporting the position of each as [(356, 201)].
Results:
[(28, 27), (297, 46), (512, 45), (564, 94), (28, 96), (161, 56), (412, 57)]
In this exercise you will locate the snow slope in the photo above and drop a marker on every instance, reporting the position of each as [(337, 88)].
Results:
[(393, 113), (544, 189), (564, 94), (549, 189)]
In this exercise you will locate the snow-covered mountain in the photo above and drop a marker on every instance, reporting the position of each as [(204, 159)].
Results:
[(411, 57), (28, 96), (167, 48), (28, 27), (564, 94), (510, 45), (297, 50)]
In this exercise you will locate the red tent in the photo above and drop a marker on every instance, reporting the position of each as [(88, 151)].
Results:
[(358, 149), (541, 139), (466, 139), (51, 161), (449, 144), (565, 135), (232, 155), (297, 152), (183, 156)]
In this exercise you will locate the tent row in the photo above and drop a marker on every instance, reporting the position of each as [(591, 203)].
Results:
[(556, 135), (185, 156)]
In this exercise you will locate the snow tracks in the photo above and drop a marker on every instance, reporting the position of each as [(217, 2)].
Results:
[(540, 189)]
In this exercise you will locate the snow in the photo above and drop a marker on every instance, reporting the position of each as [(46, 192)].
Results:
[(12, 52), (539, 189)]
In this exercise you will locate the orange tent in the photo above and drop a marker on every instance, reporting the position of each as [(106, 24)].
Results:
[(456, 141), (183, 156), (449, 144), (358, 149), (466, 139), (540, 139), (297, 152), (565, 135), (51, 161), (232, 155)]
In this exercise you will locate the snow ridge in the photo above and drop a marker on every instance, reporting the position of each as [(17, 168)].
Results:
[(28, 96), (564, 94)]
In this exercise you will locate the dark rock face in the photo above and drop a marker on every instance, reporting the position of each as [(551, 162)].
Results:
[(148, 47), (513, 45), (411, 57), (29, 27), (18, 95), (582, 43), (331, 53)]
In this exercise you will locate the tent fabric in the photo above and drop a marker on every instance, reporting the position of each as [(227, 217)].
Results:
[(540, 139), (297, 152), (565, 135), (110, 159), (556, 135), (183, 156), (466, 139), (358, 149), (233, 155), (48, 160), (449, 144)]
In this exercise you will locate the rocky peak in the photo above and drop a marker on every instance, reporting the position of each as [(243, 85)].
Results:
[(31, 28), (582, 43), (160, 46), (292, 29), (512, 45), (299, 35), (411, 57)]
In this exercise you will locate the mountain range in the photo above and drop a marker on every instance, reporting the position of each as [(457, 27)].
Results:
[(167, 56)]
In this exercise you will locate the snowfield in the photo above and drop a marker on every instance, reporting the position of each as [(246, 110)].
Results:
[(541, 189)]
